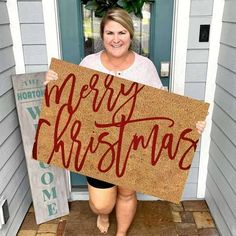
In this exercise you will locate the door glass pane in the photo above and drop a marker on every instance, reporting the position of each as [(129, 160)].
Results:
[(93, 42)]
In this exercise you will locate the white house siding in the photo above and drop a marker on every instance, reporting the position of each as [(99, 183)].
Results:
[(33, 35), (221, 184), (14, 184), (196, 74)]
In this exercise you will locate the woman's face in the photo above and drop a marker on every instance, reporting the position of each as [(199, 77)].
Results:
[(116, 39)]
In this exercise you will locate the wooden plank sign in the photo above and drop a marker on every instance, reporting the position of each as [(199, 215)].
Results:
[(118, 131), (48, 186)]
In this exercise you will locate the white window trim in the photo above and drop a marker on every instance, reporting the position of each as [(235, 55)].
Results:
[(51, 25), (12, 8), (179, 45), (52, 35), (215, 33)]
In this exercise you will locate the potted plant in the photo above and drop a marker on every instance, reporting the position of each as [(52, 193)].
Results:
[(101, 6)]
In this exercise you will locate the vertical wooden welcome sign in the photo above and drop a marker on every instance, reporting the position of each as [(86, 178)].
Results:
[(118, 131), (48, 186)]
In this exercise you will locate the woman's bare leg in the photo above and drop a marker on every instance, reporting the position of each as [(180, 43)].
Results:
[(102, 201), (126, 206)]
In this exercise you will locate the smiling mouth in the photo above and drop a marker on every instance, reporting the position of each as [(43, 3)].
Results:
[(116, 46)]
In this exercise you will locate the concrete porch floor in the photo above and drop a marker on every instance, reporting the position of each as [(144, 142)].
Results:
[(153, 218)]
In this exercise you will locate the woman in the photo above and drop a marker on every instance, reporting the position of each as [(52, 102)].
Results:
[(117, 58)]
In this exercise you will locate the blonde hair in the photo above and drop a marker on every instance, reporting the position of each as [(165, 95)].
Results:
[(120, 16)]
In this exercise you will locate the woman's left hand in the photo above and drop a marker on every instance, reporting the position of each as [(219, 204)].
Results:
[(200, 126)]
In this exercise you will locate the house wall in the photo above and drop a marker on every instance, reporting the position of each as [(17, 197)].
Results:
[(196, 75), (33, 35), (221, 184), (14, 183)]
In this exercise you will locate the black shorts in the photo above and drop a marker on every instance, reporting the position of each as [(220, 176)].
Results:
[(99, 183)]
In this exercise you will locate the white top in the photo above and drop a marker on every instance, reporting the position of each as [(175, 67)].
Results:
[(142, 70)]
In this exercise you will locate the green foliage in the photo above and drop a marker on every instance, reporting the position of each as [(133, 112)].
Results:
[(101, 6)]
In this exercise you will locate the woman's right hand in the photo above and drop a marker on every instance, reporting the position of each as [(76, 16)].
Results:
[(50, 75)]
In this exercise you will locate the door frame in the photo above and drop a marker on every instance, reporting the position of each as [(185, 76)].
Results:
[(178, 56)]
